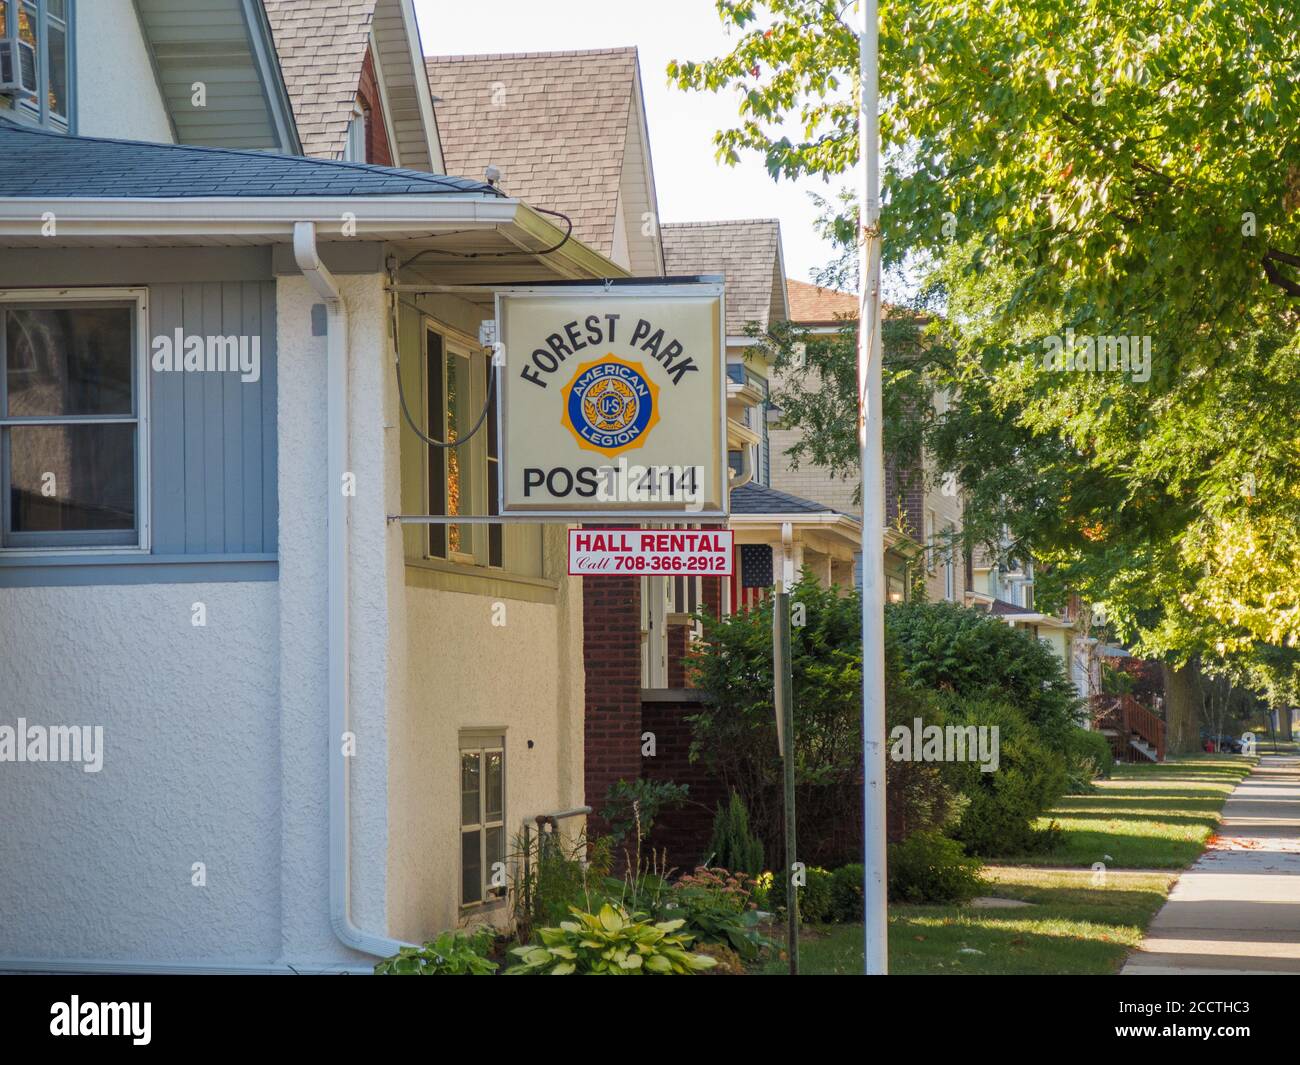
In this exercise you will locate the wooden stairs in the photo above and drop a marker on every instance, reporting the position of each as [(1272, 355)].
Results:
[(1135, 733)]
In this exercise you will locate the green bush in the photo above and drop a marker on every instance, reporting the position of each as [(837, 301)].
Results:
[(610, 943), (631, 807), (716, 907), (734, 734), (1004, 804), (733, 846), (1088, 757), (951, 648), (930, 867), (457, 953), (562, 873), (846, 893), (816, 905), (815, 898)]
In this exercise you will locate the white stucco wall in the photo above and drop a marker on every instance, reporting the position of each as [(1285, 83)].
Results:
[(98, 865), (117, 93), (375, 551), (217, 738), (525, 679)]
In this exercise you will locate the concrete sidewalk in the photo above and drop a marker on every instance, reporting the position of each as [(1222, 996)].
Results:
[(1237, 910)]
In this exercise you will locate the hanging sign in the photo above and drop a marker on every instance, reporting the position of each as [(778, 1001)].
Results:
[(651, 552), (613, 399)]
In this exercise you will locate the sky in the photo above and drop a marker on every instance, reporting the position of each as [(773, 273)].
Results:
[(692, 186)]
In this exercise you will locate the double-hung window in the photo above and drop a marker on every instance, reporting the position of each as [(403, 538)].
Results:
[(36, 60), (482, 817), (72, 415), (461, 479)]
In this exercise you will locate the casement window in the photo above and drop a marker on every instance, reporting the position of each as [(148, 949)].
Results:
[(465, 479), (36, 60), (72, 421), (482, 817)]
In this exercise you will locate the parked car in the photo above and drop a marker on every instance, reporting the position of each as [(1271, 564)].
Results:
[(1221, 744)]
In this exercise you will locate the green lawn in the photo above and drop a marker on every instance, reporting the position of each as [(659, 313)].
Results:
[(1145, 816), (1146, 819)]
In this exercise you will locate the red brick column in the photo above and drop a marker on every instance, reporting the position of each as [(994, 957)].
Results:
[(611, 647), (711, 594)]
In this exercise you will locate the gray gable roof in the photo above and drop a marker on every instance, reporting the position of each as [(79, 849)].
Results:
[(755, 498), (36, 162)]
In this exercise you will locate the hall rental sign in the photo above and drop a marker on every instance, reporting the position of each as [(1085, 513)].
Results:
[(613, 400), (652, 552)]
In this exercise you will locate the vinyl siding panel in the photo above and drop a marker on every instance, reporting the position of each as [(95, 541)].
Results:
[(212, 435)]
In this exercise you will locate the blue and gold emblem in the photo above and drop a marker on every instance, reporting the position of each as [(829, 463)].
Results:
[(611, 405)]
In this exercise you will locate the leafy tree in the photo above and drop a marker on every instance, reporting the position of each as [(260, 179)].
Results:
[(1127, 168), (954, 649)]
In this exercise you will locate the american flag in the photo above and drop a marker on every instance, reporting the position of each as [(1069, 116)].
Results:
[(751, 576)]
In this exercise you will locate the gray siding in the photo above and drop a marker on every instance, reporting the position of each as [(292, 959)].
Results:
[(212, 436)]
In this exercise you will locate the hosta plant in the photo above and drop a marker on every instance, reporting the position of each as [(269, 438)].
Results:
[(457, 953), (610, 943)]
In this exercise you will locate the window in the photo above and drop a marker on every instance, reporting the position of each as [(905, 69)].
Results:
[(465, 479), (72, 461), (36, 54), (482, 817), (354, 151)]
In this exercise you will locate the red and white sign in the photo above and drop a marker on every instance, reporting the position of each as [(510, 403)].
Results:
[(662, 552)]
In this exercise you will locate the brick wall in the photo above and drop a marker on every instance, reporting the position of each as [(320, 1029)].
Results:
[(677, 644), (378, 150), (611, 647), (684, 832), (809, 481), (905, 499)]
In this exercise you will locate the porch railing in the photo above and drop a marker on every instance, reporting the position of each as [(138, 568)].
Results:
[(1128, 717)]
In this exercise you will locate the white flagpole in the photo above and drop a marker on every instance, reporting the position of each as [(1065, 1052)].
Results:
[(871, 454)]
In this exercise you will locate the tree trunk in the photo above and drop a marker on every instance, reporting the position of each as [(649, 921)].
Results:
[(1284, 716), (1182, 703)]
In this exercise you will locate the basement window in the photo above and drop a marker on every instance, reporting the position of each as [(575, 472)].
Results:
[(482, 817), (71, 423)]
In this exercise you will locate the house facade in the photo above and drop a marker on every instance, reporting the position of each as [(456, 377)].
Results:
[(923, 510), (322, 726)]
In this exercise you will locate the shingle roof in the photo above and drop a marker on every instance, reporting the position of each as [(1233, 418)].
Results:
[(1002, 608), (555, 123), (36, 162), (747, 253), (814, 305), (755, 498), (322, 45)]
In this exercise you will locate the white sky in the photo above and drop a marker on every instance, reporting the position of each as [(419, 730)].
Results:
[(692, 186)]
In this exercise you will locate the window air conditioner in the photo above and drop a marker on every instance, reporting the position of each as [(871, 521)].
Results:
[(17, 67)]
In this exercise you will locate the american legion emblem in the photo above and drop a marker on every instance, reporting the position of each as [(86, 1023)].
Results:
[(610, 405)]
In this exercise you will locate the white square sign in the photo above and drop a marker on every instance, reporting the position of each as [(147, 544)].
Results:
[(613, 400)]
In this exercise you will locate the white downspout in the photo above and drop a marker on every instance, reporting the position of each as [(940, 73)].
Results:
[(336, 429), (746, 474)]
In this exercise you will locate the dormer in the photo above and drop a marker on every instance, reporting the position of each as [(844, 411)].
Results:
[(567, 131)]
